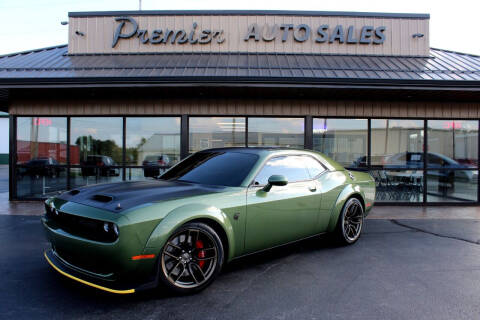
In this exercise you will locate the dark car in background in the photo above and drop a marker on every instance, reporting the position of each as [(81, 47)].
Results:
[(42, 167), (449, 168), (99, 165), (154, 165)]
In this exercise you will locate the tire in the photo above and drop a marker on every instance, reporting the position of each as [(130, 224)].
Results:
[(350, 222), (191, 259)]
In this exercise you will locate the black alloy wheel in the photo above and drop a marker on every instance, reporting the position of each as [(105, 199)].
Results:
[(350, 222), (191, 259)]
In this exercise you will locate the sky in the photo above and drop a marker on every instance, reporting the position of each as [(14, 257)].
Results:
[(33, 24)]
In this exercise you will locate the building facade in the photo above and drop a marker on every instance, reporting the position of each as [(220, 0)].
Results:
[(135, 92)]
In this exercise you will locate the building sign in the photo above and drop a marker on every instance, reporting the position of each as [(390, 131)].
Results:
[(256, 32), (129, 28), (324, 33), (166, 35)]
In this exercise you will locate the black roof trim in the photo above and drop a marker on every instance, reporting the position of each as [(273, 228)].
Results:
[(441, 85), (251, 13)]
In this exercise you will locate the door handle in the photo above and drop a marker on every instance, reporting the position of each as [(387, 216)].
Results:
[(312, 188)]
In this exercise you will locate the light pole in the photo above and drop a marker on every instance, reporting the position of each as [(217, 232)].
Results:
[(140, 5)]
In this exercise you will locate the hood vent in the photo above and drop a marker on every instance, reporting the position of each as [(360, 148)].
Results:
[(102, 198), (74, 192)]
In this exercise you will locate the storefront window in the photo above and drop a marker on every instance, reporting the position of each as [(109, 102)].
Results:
[(344, 140), (96, 141), (282, 132), (452, 185), (452, 143), (41, 154), (41, 139), (216, 132), (397, 143), (153, 143), (398, 185), (86, 176), (97, 145)]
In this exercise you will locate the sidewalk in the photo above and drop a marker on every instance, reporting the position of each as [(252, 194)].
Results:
[(21, 208), (35, 208)]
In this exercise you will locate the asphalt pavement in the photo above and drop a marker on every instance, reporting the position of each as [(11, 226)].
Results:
[(399, 269)]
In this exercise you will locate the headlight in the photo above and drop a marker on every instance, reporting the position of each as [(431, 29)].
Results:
[(110, 228), (115, 229)]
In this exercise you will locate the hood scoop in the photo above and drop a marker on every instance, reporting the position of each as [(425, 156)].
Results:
[(102, 198)]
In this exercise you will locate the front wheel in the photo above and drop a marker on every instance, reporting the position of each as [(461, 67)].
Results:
[(350, 222), (191, 259)]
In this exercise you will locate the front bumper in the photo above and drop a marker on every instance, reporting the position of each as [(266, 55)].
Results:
[(67, 271), (106, 266)]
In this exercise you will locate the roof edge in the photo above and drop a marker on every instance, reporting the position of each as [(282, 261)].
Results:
[(33, 50), (440, 85), (252, 12), (456, 52)]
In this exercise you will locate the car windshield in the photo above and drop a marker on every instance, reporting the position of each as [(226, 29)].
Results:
[(213, 168)]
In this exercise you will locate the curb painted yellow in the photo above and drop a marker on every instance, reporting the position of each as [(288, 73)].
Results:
[(86, 282)]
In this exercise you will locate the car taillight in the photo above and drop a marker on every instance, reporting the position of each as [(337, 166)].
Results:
[(161, 162)]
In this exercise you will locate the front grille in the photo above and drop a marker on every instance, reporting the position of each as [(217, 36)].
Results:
[(87, 228), (83, 262)]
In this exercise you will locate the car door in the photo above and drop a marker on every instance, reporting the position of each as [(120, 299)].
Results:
[(285, 213)]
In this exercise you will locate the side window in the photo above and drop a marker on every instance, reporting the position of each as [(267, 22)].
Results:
[(435, 160), (313, 166), (292, 167)]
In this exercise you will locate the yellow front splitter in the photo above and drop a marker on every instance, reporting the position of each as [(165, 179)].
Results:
[(86, 282)]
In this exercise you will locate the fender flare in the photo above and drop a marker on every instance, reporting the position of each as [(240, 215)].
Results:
[(184, 214), (347, 193)]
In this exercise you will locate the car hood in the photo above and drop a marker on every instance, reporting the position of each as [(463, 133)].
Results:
[(121, 196)]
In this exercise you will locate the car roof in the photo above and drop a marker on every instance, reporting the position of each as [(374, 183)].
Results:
[(255, 150), (267, 151)]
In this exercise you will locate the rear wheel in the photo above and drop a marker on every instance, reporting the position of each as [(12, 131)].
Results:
[(191, 259), (350, 222)]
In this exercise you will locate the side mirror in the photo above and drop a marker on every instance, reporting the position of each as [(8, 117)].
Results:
[(275, 180)]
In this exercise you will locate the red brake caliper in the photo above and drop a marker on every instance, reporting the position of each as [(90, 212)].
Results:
[(201, 253)]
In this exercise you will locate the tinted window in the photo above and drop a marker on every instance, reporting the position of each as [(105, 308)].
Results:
[(97, 137), (284, 132), (42, 138), (436, 160), (392, 138), (148, 139), (313, 166), (456, 140), (343, 140), (291, 167), (213, 168), (216, 132)]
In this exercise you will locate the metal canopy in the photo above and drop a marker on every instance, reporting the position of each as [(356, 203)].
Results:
[(53, 66)]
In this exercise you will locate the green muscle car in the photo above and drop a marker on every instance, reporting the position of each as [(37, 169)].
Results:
[(214, 206)]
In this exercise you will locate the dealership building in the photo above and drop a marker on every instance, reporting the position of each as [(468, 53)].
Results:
[(132, 93)]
